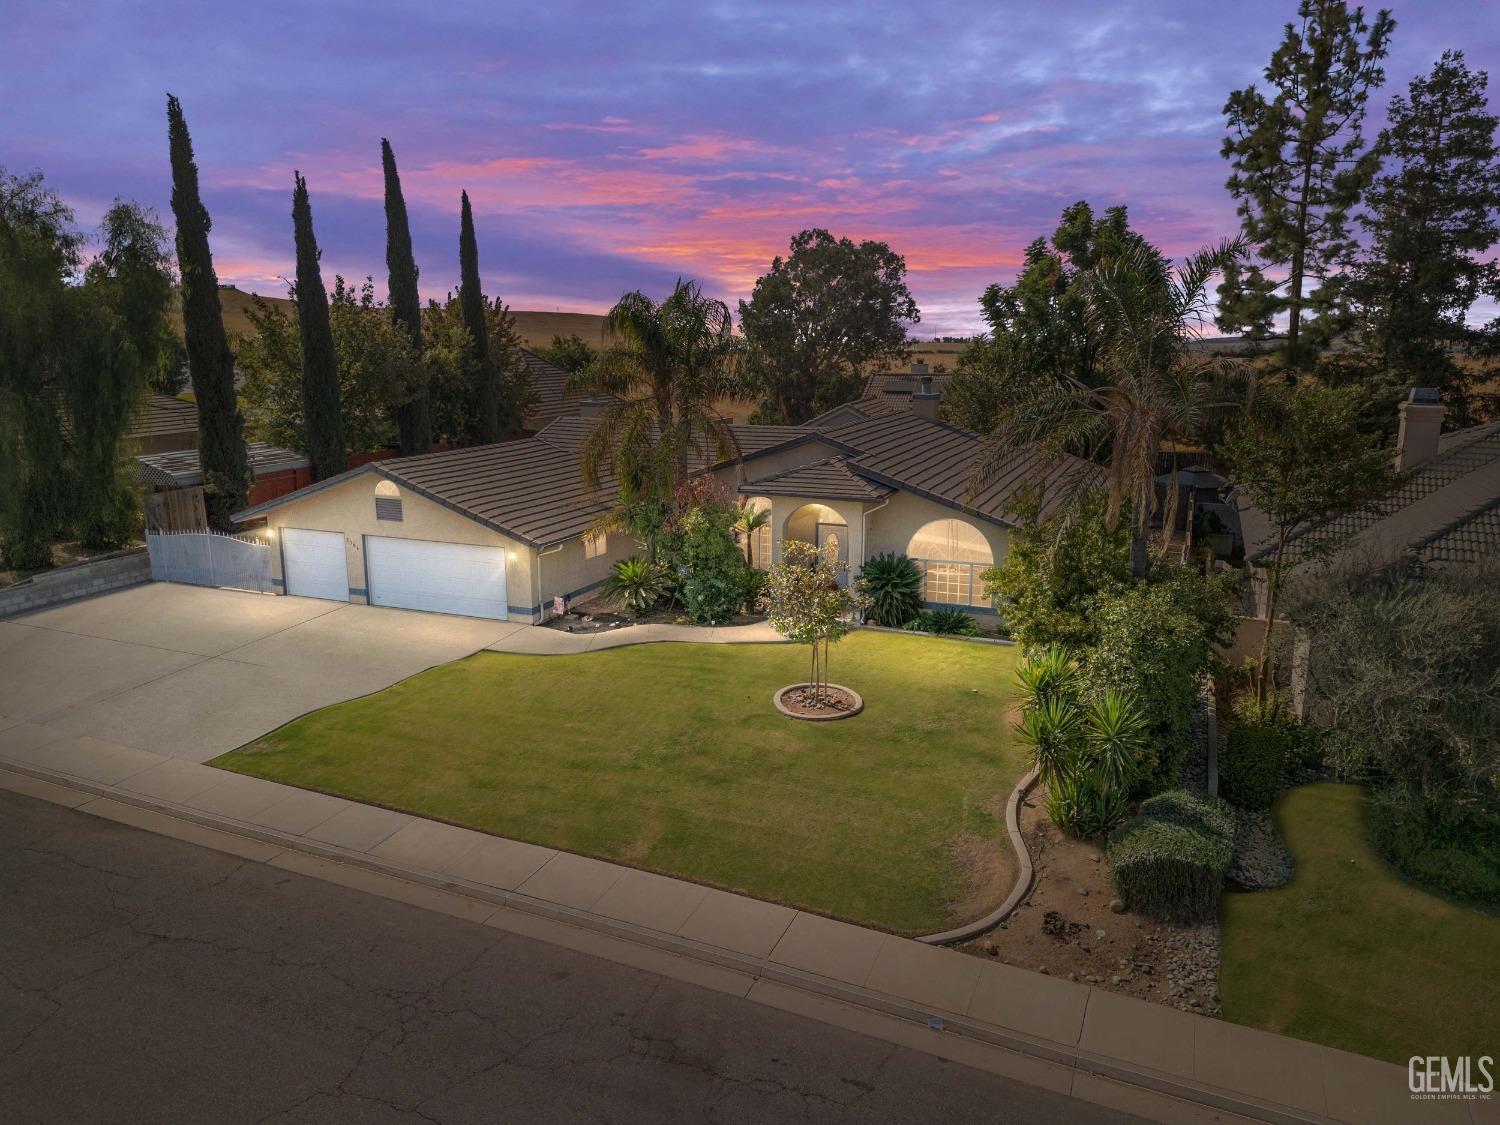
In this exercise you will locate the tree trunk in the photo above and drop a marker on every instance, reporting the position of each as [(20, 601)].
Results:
[(1140, 557), (1273, 594)]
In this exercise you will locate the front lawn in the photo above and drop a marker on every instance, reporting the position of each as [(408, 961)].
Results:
[(1350, 955), (670, 757)]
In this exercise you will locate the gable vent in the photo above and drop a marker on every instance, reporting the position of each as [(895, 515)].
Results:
[(388, 508)]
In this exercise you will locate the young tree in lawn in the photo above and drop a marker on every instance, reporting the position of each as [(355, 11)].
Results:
[(488, 376), (1300, 165), (1432, 218), (413, 417), (221, 429), (806, 603), (322, 412), (814, 322), (1300, 458)]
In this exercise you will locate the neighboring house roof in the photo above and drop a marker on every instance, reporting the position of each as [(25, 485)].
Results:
[(532, 489), (886, 392), (182, 468), (841, 416), (163, 414), (549, 383), (1441, 512), (831, 479)]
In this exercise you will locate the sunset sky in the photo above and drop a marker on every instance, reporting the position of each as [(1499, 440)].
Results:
[(609, 147)]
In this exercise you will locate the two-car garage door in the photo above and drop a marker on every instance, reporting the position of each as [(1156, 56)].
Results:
[(438, 577)]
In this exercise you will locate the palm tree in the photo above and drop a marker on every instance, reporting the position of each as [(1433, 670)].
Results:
[(746, 524), (663, 383), (1153, 389)]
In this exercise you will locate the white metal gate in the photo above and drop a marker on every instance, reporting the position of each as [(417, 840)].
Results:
[(207, 558)]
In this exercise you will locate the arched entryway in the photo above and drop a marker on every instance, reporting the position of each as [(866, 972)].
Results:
[(819, 525), (952, 555)]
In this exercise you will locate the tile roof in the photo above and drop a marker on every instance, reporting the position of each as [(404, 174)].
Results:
[(1428, 514), (181, 467), (829, 479), (550, 385), (532, 489), (163, 414)]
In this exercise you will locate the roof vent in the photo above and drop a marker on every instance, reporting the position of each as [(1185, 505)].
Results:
[(918, 367), (593, 406)]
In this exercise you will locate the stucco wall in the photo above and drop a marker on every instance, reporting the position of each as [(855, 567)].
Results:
[(350, 508), (565, 571), (890, 530)]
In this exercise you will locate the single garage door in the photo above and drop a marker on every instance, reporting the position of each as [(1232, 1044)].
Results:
[(314, 564), (437, 577)]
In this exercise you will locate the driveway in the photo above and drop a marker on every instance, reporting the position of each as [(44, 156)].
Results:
[(191, 672)]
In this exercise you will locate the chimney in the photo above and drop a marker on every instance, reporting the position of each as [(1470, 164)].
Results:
[(918, 367), (926, 400), (593, 406), (1421, 423)]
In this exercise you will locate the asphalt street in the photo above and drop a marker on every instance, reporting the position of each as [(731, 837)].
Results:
[(147, 980)]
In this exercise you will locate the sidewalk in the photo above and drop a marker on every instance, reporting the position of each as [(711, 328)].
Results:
[(1092, 1044)]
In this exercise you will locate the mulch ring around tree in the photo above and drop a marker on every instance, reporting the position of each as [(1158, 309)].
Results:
[(803, 701)]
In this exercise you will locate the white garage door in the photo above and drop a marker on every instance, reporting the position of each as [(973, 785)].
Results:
[(314, 564), (438, 577)]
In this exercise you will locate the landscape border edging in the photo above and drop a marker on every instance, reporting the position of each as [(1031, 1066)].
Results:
[(1024, 876)]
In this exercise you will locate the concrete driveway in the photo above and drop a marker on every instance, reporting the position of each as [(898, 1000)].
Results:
[(192, 672)]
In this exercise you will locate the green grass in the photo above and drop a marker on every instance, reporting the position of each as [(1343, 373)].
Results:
[(1350, 955), (670, 757)]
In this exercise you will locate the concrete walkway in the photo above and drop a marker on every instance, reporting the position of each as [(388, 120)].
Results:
[(556, 642), (1093, 1044)]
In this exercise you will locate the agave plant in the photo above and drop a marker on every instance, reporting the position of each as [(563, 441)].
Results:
[(893, 585), (636, 583)]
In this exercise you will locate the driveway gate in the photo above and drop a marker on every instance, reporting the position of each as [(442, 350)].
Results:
[(207, 558)]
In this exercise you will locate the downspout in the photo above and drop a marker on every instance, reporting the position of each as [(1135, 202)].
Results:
[(541, 597)]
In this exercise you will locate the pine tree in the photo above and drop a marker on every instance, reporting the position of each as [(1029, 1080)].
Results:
[(322, 411), (1431, 218), (1300, 165), (414, 418), (471, 297), (221, 430)]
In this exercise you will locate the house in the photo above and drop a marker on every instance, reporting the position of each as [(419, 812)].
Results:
[(549, 385), (888, 392), (1444, 513), (501, 531), (274, 471), (164, 424)]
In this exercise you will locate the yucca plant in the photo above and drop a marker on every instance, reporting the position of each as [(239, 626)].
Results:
[(1050, 730), (636, 583), (1114, 736), (1049, 674), (943, 622), (893, 585)]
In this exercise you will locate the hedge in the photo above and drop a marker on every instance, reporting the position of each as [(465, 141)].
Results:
[(1251, 769), (1169, 861)]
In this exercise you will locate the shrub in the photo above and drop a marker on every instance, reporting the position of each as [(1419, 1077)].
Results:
[(1081, 806), (1253, 760), (1049, 674), (893, 588), (1169, 861), (710, 566), (755, 589), (1455, 850), (945, 622), (635, 583)]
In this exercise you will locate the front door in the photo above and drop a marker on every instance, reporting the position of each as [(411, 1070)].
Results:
[(833, 534)]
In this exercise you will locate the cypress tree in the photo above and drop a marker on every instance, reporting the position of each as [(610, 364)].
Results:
[(221, 430), (322, 414), (414, 417), (471, 299)]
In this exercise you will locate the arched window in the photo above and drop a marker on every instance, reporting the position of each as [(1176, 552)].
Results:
[(757, 544), (387, 501), (952, 555)]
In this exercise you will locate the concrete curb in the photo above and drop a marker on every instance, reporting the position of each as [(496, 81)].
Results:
[(859, 705), (1024, 875), (939, 636), (1092, 1076)]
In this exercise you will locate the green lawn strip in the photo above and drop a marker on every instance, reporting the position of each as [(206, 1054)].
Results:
[(670, 757), (1351, 955)]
